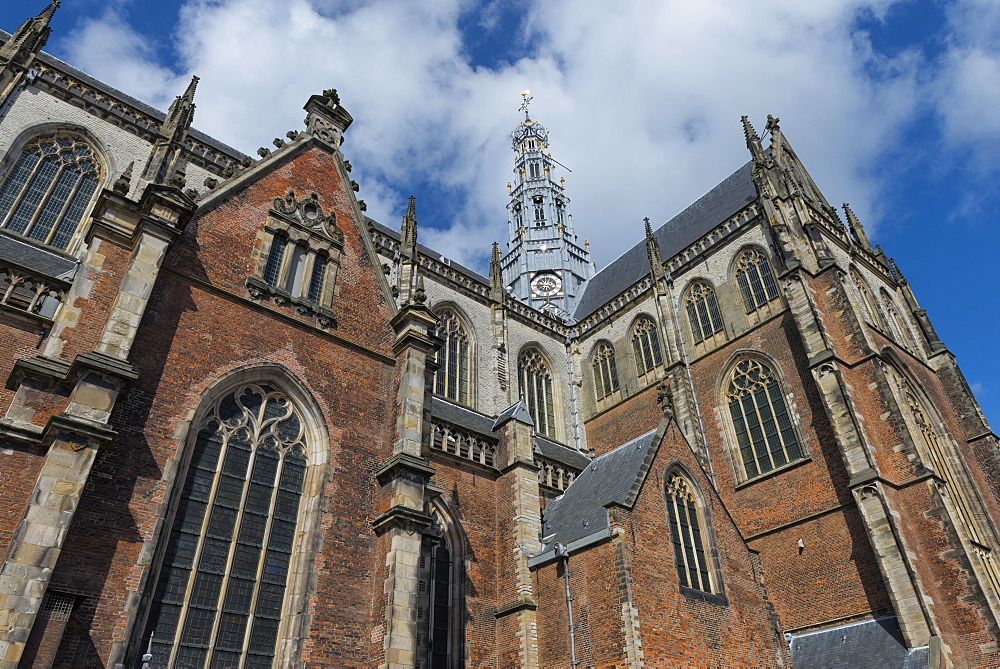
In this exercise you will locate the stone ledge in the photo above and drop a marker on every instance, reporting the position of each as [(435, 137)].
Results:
[(403, 517), (59, 371), (521, 604), (403, 462)]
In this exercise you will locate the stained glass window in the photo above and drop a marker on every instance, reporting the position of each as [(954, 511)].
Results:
[(646, 346), (605, 373), (453, 358), (702, 311), (686, 535), (763, 427), (536, 387), (46, 193), (753, 274), (219, 595)]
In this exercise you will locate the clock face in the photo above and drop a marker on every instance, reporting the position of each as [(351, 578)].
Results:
[(546, 285)]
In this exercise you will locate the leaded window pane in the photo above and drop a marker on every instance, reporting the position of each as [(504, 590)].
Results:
[(702, 311), (536, 387), (686, 535), (453, 358), (756, 281), (46, 193), (764, 434), (273, 266), (247, 472), (605, 372), (646, 346)]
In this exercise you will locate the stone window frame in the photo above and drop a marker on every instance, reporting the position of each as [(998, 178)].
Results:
[(651, 353), (711, 557), (604, 371), (702, 341), (868, 307), (898, 326), (99, 154), (444, 528), (730, 434), (300, 226), (463, 321), (757, 309), (545, 424), (300, 588)]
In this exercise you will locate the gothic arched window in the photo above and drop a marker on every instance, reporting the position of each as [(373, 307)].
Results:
[(646, 346), (218, 599), (764, 431), (702, 311), (46, 193), (605, 372), (753, 274), (536, 387), (441, 617), (900, 331), (453, 358), (867, 305), (693, 570)]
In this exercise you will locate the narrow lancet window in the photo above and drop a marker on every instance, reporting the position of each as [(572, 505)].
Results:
[(702, 311), (686, 535), (536, 387), (646, 346), (453, 358), (756, 281), (605, 372)]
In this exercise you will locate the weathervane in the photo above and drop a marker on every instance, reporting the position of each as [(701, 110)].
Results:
[(526, 100)]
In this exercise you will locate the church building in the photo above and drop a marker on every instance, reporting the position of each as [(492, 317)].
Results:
[(244, 425)]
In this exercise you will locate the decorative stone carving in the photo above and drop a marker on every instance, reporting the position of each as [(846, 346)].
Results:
[(123, 182), (307, 212)]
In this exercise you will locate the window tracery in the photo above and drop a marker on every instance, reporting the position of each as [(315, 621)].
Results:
[(605, 371), (536, 388), (441, 605), (702, 311), (646, 346), (764, 432), (454, 358), (867, 305), (756, 281), (218, 599), (46, 193), (686, 535)]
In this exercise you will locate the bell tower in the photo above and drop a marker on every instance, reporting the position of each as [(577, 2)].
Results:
[(545, 266)]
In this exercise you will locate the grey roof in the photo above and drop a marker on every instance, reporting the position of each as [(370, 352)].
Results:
[(460, 416), (556, 452), (711, 209), (580, 511), (49, 59), (35, 259), (394, 234), (872, 643), (517, 411)]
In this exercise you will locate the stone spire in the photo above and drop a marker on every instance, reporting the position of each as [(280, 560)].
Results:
[(407, 275), (653, 251), (857, 230), (166, 157), (29, 38), (545, 265), (753, 140), (496, 275)]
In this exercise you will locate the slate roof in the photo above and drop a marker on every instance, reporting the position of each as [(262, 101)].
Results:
[(516, 411), (49, 59), (460, 416), (711, 209), (35, 259), (562, 454), (873, 643), (462, 269), (580, 513)]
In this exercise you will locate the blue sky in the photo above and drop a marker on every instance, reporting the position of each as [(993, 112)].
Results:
[(891, 104)]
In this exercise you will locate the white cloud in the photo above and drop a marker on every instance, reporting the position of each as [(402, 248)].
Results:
[(642, 99)]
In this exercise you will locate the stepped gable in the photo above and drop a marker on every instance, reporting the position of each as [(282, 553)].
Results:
[(711, 209), (580, 513)]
